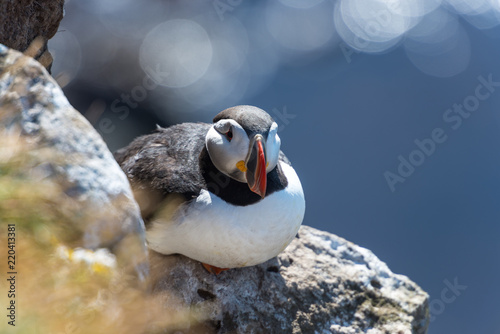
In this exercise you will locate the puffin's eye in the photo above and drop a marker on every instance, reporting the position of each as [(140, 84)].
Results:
[(229, 135)]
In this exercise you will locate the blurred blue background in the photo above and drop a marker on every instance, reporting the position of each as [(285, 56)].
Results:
[(352, 85)]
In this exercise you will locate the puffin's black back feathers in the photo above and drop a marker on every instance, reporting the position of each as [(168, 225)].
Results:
[(166, 160)]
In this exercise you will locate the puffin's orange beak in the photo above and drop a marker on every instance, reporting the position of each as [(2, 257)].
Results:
[(256, 166)]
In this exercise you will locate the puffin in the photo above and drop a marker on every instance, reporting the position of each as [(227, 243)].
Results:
[(223, 194)]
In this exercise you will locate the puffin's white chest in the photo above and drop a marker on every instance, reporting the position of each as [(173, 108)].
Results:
[(215, 232)]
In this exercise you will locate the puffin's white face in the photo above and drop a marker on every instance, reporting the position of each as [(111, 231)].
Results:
[(240, 157)]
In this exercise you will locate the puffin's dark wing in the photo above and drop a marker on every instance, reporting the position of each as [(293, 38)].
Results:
[(166, 161)]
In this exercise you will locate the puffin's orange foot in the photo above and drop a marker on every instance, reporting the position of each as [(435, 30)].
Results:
[(213, 269)]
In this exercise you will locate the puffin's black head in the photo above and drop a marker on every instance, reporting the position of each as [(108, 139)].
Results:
[(243, 143)]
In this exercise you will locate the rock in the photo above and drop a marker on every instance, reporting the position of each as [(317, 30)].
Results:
[(102, 207), (27, 25), (320, 284)]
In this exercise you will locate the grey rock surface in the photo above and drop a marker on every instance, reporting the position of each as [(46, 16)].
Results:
[(320, 284), (32, 103)]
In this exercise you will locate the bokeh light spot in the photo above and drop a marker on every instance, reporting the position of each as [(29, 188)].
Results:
[(439, 46), (179, 49)]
